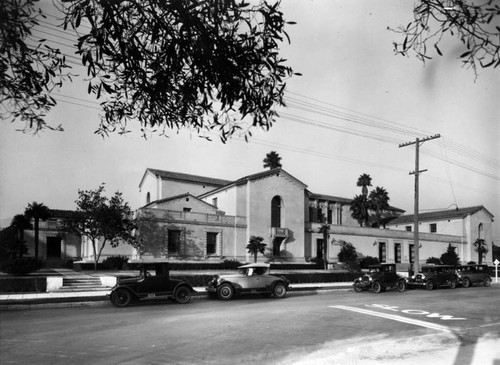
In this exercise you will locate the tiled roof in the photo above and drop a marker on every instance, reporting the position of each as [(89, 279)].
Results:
[(440, 215), (188, 177)]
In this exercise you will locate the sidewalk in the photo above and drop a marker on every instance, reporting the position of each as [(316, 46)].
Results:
[(28, 301)]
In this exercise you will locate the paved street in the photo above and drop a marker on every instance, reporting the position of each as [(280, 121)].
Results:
[(445, 326)]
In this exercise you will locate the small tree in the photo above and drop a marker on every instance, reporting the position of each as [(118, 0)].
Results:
[(101, 220), (359, 209), (255, 246), (348, 254), (450, 257), (481, 249), (20, 223), (37, 211)]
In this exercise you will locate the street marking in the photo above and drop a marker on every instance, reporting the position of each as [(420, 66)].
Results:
[(444, 317), (394, 317), (490, 324)]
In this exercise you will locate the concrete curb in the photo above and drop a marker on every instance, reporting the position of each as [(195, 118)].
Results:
[(103, 301)]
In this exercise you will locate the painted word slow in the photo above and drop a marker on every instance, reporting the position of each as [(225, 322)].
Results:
[(444, 317)]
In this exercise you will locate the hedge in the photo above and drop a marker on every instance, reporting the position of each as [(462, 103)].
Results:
[(23, 285)]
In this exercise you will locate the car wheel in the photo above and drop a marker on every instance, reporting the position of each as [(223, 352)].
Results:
[(466, 283), (225, 291), (279, 290), (429, 285), (358, 288), (487, 282), (377, 287), (121, 297), (453, 284), (401, 285), (182, 295)]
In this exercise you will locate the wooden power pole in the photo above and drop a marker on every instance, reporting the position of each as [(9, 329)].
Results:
[(417, 172)]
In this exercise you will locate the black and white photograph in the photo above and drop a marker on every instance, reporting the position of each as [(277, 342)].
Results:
[(273, 182)]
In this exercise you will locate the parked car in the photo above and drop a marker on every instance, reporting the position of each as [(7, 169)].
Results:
[(471, 274), (153, 282), (379, 278), (434, 276), (251, 278)]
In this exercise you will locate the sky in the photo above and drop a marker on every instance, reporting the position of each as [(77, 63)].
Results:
[(354, 104)]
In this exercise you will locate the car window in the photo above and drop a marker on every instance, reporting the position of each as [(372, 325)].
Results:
[(250, 271)]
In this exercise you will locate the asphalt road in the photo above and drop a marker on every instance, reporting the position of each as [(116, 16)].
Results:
[(445, 326)]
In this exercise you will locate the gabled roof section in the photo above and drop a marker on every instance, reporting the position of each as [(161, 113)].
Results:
[(184, 177), (441, 215), (259, 175), (343, 200), (180, 196)]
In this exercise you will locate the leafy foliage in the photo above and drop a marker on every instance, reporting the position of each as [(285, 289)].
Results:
[(433, 260), (255, 245), (359, 209), (469, 21), (272, 160), (365, 262), (101, 220), (151, 236), (347, 253), (22, 266), (204, 65), (379, 202), (481, 248), (30, 70), (450, 257), (115, 262), (364, 181)]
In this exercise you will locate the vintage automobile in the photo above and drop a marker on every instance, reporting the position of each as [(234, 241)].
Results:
[(471, 274), (379, 278), (434, 276), (153, 282), (251, 278)]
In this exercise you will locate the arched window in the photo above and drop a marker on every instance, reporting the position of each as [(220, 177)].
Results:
[(276, 211), (480, 231), (148, 198)]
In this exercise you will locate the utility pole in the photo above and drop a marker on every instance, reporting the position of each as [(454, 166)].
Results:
[(417, 172)]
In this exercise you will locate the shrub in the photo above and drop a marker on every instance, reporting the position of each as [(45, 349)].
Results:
[(231, 264), (21, 266), (433, 260), (450, 257), (367, 261), (115, 262)]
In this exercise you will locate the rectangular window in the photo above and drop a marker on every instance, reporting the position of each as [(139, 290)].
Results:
[(320, 217), (382, 252), (408, 228), (411, 250), (433, 227), (186, 209), (214, 202), (330, 216), (312, 215), (212, 243), (397, 253), (174, 241), (339, 216)]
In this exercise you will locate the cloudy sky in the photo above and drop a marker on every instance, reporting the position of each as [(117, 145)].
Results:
[(348, 113)]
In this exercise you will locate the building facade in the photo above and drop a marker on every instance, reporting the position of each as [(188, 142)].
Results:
[(189, 217)]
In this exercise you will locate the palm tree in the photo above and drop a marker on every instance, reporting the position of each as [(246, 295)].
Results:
[(255, 246), (325, 230), (20, 222), (272, 160), (481, 248), (37, 211), (378, 201), (359, 209), (364, 181)]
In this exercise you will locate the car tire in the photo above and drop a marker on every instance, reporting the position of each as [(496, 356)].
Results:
[(279, 290), (401, 286), (182, 295), (225, 291), (429, 285), (487, 282), (377, 287), (453, 284), (121, 297), (358, 287), (466, 283)]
